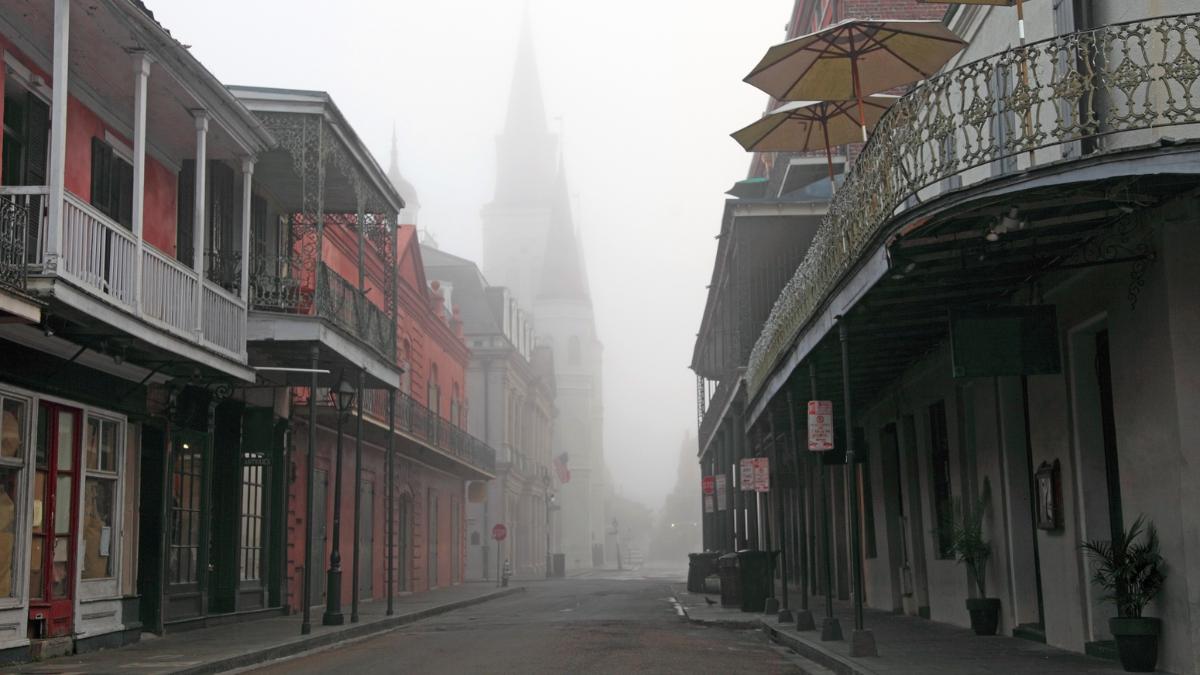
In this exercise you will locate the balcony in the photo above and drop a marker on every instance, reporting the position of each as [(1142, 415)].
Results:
[(100, 258), (1075, 101), (429, 431)]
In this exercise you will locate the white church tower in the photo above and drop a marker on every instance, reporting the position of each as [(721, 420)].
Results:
[(531, 246)]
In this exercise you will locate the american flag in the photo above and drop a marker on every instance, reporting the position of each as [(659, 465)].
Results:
[(560, 466)]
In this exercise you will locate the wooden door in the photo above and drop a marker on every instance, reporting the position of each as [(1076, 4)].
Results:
[(317, 558), (366, 542), (55, 512)]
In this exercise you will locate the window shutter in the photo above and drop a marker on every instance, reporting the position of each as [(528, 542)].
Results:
[(101, 176), (37, 114), (183, 222), (122, 199)]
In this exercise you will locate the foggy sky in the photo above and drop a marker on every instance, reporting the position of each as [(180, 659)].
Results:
[(645, 93)]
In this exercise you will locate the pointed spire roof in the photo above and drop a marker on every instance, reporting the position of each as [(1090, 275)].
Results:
[(411, 203), (564, 276), (526, 109)]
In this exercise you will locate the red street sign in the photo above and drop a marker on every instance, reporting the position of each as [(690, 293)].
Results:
[(820, 426), (710, 485), (762, 474), (499, 532)]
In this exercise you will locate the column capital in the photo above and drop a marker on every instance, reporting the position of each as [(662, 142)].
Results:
[(142, 60), (200, 116), (248, 164)]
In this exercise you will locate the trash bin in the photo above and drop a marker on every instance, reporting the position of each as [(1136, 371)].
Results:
[(754, 568), (560, 565), (700, 567), (731, 582)]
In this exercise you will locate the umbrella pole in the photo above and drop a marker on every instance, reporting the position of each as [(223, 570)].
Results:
[(829, 157), (862, 115), (1025, 74)]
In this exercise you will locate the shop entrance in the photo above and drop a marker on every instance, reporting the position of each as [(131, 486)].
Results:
[(55, 496)]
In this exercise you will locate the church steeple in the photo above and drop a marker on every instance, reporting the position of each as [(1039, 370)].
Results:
[(525, 149), (411, 203), (564, 276)]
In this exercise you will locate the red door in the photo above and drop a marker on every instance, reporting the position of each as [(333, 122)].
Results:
[(55, 495)]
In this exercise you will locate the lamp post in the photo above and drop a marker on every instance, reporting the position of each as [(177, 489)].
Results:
[(343, 398), (549, 500)]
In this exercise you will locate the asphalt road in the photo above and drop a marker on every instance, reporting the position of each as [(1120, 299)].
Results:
[(616, 624)]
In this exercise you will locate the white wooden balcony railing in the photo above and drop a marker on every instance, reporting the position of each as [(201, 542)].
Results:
[(99, 256)]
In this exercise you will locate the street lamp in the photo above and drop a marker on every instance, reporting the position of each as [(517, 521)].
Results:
[(343, 398)]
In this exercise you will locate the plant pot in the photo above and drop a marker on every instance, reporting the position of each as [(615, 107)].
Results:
[(1137, 641), (985, 615)]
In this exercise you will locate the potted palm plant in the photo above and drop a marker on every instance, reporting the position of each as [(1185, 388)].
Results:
[(1130, 569), (971, 549)]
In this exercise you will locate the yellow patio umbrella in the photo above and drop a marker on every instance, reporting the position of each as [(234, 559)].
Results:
[(854, 56), (807, 126)]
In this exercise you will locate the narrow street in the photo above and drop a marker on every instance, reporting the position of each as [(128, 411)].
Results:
[(604, 623)]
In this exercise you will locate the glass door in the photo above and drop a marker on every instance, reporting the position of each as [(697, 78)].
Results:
[(55, 495)]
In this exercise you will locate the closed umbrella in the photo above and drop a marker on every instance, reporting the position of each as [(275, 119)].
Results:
[(807, 126), (842, 61)]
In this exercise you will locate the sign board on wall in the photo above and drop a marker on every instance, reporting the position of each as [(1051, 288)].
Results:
[(746, 474), (722, 492), (762, 474), (708, 483), (820, 426)]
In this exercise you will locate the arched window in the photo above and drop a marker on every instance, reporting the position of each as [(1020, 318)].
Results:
[(454, 403), (573, 351), (432, 390)]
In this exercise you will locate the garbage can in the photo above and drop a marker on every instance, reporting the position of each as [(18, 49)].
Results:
[(754, 568), (700, 567), (560, 565), (731, 582)]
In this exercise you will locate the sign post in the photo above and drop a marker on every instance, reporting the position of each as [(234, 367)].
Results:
[(746, 474), (722, 492), (499, 533), (820, 426), (761, 474)]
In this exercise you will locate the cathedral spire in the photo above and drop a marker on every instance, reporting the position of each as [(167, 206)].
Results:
[(564, 275), (526, 109), (412, 205)]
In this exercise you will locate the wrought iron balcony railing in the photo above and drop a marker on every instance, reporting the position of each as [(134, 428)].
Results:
[(277, 285), (1085, 91), (420, 422), (14, 233)]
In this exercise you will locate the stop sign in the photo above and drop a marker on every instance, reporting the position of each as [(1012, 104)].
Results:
[(499, 532)]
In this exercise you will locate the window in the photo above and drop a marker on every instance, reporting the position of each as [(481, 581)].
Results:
[(187, 472), (102, 454), (454, 409), (112, 183), (573, 357), (26, 137), (432, 393), (14, 432), (250, 546), (943, 506), (406, 365)]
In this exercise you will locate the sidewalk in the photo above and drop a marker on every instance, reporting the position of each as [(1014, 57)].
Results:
[(907, 645), (238, 645)]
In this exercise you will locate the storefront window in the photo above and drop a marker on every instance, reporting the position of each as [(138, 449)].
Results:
[(100, 497), (13, 432)]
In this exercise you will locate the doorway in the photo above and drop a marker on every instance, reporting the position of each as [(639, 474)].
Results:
[(55, 495), (404, 516), (915, 531), (432, 539)]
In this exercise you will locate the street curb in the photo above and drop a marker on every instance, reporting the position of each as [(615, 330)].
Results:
[(312, 642), (815, 652)]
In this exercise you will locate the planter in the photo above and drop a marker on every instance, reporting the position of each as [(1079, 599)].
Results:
[(1137, 642), (985, 615)]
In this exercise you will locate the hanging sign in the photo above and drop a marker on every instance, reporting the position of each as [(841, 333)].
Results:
[(820, 426), (722, 492), (762, 474), (746, 474), (709, 485), (708, 503)]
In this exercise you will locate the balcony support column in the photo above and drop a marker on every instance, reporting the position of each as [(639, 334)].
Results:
[(58, 135), (358, 438), (247, 194), (141, 75), (198, 223)]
